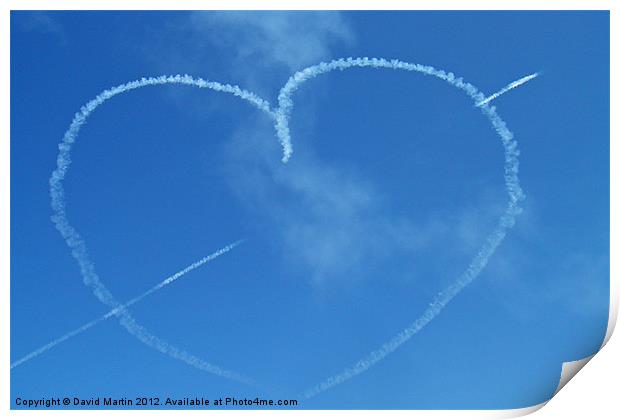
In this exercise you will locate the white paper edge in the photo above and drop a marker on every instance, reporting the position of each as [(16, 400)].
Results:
[(569, 369)]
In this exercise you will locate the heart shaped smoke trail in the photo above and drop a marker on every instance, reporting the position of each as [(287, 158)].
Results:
[(281, 118)]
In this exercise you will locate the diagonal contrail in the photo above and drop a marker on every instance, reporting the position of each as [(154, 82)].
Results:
[(125, 305), (509, 87)]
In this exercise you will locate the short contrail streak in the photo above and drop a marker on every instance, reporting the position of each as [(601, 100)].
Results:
[(127, 304), (511, 86)]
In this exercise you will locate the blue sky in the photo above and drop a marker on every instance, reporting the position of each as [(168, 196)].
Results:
[(395, 182)]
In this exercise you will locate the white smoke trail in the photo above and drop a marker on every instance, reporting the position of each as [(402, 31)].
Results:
[(127, 304), (510, 86), (285, 101), (480, 260), (76, 243)]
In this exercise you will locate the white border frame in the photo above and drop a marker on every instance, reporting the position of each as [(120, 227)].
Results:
[(593, 394)]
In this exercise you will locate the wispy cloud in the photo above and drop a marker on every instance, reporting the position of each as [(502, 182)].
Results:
[(568, 278), (39, 21), (324, 215), (255, 49), (275, 38), (335, 226), (529, 277)]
